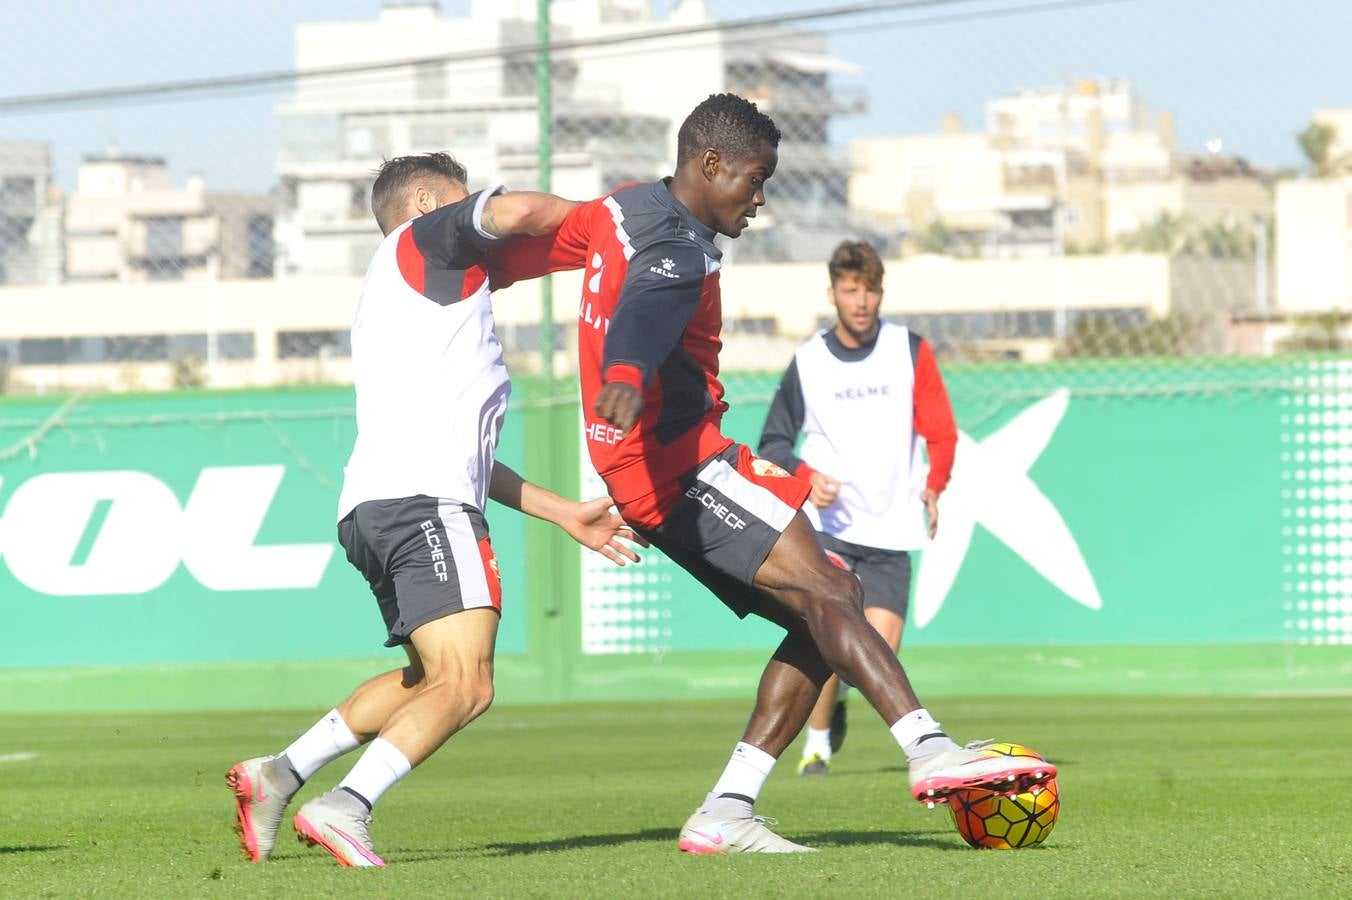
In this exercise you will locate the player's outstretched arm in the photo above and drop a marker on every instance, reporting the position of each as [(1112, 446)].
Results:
[(590, 523), (524, 212)]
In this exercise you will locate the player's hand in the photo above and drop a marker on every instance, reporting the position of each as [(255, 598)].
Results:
[(620, 404), (825, 489), (593, 525), (931, 501)]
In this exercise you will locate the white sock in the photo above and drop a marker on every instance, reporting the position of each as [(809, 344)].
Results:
[(818, 743), (377, 771), (919, 735), (746, 772), (327, 739)]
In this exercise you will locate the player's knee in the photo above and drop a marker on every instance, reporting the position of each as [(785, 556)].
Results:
[(477, 693), (834, 588), (471, 691)]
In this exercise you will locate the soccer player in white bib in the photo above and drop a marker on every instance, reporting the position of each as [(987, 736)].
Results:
[(863, 394), (432, 392)]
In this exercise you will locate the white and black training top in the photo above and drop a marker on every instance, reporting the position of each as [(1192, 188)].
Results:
[(854, 408), (431, 383)]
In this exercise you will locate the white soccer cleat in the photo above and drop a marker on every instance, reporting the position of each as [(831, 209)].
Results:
[(337, 829), (718, 834), (936, 778), (259, 806)]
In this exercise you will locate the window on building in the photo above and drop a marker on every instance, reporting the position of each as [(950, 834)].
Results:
[(429, 81), (164, 237), (229, 345), (313, 344), (135, 348), (258, 245), (359, 205)]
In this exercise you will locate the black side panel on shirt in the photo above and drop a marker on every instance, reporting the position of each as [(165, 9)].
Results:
[(915, 347), (784, 421), (449, 244), (685, 396)]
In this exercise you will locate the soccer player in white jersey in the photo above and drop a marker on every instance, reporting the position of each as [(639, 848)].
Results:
[(863, 394), (431, 395)]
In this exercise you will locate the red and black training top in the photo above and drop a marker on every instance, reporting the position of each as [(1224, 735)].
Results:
[(650, 315)]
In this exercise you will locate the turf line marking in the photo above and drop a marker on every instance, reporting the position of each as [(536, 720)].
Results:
[(16, 757)]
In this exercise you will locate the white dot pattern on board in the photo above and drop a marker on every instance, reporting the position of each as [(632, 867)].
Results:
[(624, 610), (1316, 529)]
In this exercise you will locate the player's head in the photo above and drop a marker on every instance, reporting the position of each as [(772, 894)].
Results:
[(726, 150), (409, 186), (856, 288)]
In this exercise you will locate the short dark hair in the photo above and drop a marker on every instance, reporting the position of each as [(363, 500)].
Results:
[(394, 176), (727, 123), (857, 258)]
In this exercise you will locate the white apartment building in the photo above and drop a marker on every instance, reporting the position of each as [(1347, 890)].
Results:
[(1081, 167), (30, 215), (127, 221), (616, 109), (1314, 245)]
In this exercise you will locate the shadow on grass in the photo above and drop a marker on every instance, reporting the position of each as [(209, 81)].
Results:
[(35, 848), (581, 842), (821, 840), (825, 839)]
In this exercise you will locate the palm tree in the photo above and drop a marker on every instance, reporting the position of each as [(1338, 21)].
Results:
[(1315, 143)]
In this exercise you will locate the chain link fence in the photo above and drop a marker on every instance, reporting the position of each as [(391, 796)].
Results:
[(197, 215)]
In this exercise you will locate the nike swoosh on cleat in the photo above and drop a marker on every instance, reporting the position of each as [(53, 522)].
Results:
[(356, 845), (716, 840)]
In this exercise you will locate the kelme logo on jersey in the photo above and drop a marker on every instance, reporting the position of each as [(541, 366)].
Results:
[(668, 269), (125, 532), (766, 469)]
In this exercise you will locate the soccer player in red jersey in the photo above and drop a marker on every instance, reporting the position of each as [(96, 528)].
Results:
[(863, 394), (648, 345)]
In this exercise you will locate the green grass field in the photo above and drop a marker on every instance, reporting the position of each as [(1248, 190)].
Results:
[(1165, 797)]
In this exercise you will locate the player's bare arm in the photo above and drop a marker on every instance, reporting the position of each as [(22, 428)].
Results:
[(590, 523), (524, 212), (931, 500)]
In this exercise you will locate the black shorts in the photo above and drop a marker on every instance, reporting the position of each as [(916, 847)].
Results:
[(424, 559), (729, 513), (884, 574)]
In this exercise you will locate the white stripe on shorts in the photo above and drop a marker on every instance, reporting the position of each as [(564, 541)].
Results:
[(469, 565), (758, 501)]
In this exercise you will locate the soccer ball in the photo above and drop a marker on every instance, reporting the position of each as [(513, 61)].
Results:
[(991, 820)]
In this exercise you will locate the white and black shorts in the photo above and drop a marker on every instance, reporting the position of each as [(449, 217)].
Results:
[(424, 559), (723, 520), (885, 575)]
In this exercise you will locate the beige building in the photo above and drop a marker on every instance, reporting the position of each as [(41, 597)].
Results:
[(1077, 168), (240, 333), (127, 221)]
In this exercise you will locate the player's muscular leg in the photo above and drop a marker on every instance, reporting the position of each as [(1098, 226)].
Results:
[(799, 577), (457, 686), (886, 623), (788, 686), (370, 706)]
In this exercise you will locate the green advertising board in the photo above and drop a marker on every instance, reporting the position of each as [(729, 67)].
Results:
[(177, 550)]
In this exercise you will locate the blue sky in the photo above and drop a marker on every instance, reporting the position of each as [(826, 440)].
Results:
[(1248, 72)]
